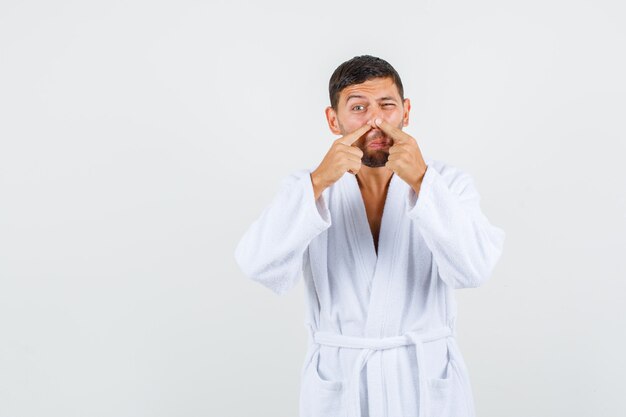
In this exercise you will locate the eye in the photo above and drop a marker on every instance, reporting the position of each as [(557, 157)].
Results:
[(388, 104), (358, 105)]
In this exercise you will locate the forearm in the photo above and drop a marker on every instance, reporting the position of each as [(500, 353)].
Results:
[(465, 245), (271, 249)]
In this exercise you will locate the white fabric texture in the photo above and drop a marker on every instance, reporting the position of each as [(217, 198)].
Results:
[(382, 338)]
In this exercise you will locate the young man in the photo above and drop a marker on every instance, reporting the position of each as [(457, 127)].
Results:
[(382, 236)]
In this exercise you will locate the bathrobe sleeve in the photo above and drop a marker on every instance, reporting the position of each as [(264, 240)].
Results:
[(272, 249), (464, 245)]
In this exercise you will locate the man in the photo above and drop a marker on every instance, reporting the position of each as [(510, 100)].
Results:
[(382, 236)]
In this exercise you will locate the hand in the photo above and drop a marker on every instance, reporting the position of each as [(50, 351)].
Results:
[(405, 156), (341, 157)]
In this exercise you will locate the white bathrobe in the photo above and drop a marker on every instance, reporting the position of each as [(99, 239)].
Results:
[(382, 338)]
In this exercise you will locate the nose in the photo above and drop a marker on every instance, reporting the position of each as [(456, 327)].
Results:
[(371, 120)]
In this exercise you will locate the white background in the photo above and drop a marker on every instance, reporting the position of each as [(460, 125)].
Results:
[(138, 141)]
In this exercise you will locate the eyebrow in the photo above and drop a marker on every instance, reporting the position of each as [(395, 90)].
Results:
[(351, 96)]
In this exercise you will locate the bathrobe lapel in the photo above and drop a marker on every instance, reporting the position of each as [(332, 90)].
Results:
[(375, 268)]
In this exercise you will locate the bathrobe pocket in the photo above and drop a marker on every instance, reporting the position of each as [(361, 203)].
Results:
[(320, 397), (447, 397), (440, 391)]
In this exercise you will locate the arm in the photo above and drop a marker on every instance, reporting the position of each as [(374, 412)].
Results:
[(465, 246), (271, 250)]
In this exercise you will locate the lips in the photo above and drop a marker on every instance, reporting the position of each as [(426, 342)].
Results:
[(377, 145), (378, 138)]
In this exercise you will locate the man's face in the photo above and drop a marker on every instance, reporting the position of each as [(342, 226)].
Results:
[(359, 103)]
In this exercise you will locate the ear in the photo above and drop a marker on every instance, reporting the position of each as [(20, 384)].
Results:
[(331, 118), (407, 109)]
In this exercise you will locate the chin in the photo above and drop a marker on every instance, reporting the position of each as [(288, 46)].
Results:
[(375, 162)]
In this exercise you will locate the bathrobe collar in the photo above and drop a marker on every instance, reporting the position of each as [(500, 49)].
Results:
[(377, 269)]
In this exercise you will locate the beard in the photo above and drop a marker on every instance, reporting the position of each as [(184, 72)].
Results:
[(374, 158)]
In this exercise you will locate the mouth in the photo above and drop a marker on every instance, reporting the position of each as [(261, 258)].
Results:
[(378, 140), (378, 144)]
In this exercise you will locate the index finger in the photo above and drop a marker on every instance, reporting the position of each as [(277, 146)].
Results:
[(353, 136)]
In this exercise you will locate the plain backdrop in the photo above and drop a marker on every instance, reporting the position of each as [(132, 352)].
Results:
[(139, 140)]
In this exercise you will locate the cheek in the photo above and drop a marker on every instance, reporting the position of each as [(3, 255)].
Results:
[(397, 120), (355, 121), (396, 116)]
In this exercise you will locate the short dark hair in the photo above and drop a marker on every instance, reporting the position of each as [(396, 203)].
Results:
[(358, 70)]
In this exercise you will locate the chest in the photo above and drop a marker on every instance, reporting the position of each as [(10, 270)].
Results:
[(374, 206)]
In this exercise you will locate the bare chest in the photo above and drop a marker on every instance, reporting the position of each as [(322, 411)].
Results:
[(374, 208)]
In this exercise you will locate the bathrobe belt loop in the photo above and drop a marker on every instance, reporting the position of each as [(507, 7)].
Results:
[(371, 345)]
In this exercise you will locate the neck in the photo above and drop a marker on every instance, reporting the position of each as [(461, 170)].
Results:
[(374, 180)]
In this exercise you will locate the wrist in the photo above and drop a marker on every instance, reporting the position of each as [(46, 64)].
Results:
[(416, 187), (319, 185), (318, 180), (418, 184)]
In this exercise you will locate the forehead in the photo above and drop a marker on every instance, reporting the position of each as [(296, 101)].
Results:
[(375, 87)]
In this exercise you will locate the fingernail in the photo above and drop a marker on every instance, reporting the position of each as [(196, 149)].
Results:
[(378, 121)]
